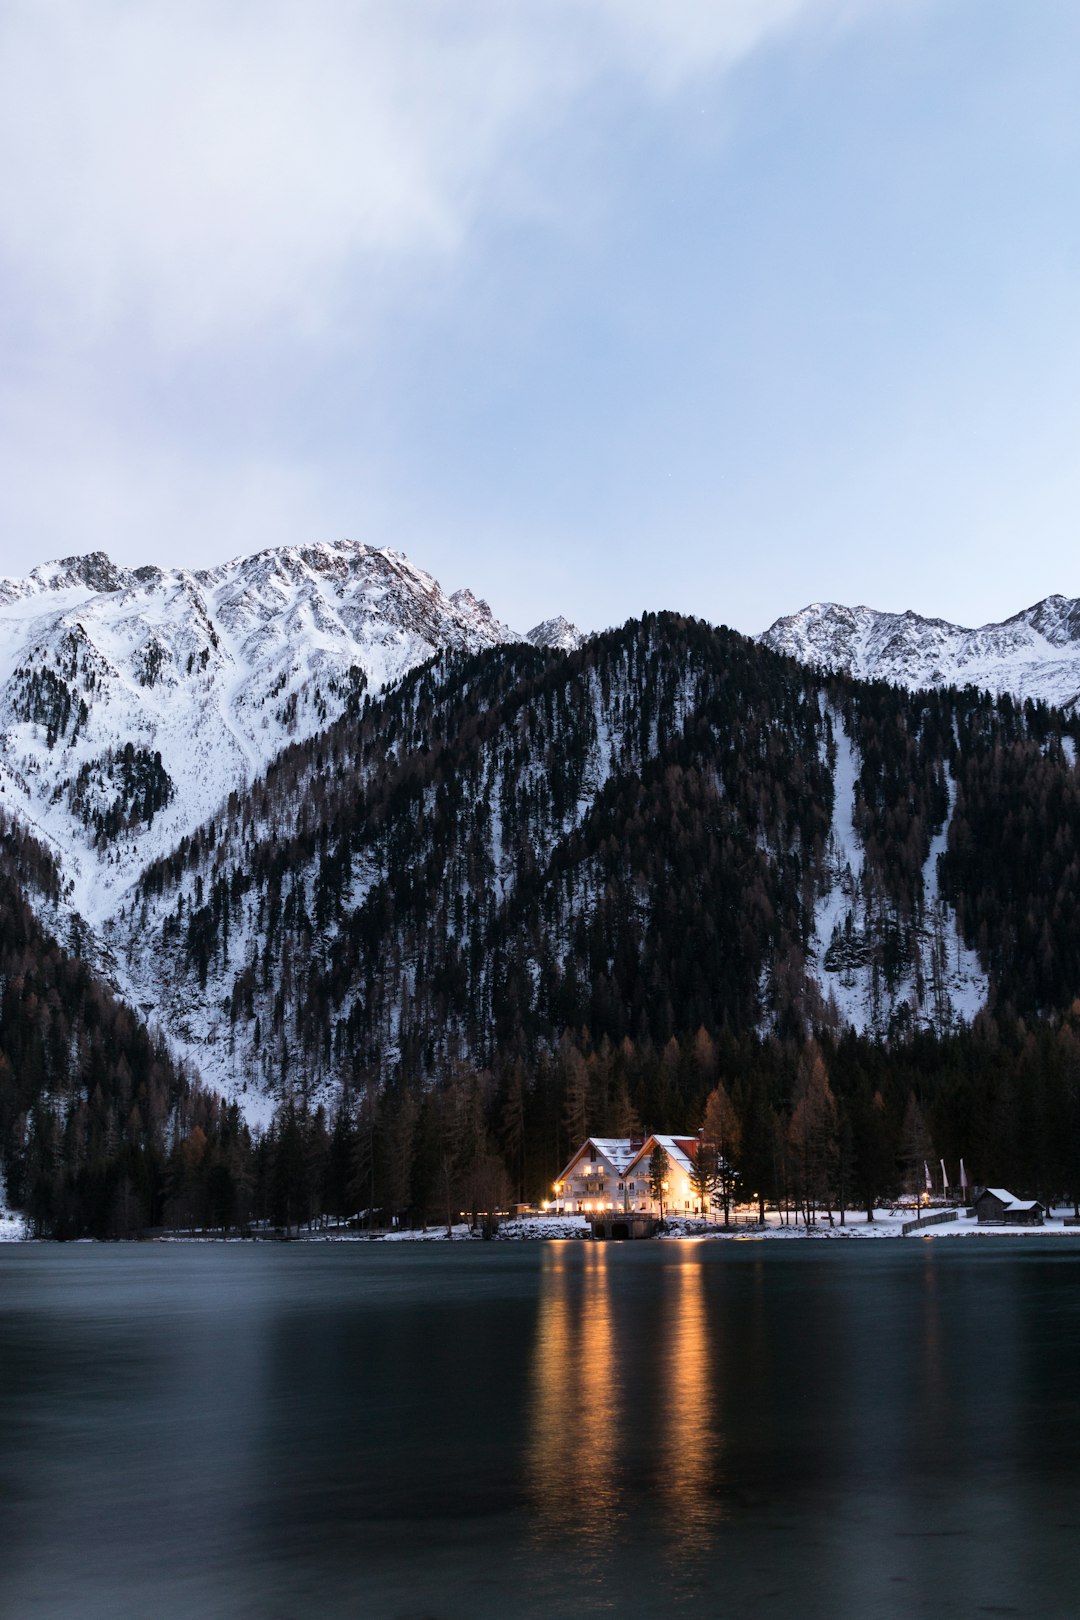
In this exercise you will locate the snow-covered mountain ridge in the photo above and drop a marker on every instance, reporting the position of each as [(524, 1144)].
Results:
[(675, 830), (1034, 654), (133, 701)]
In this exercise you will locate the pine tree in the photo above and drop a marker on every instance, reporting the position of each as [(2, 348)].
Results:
[(723, 1132), (659, 1168)]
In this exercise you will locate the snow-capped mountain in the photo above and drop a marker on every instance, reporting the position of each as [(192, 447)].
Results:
[(132, 702), (558, 633), (1035, 654)]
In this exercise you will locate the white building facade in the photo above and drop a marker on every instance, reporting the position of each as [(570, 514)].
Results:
[(613, 1173)]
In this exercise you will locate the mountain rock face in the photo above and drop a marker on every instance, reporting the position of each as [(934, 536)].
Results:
[(1035, 654), (134, 701)]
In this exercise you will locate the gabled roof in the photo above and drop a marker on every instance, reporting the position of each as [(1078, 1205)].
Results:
[(1007, 1198), (616, 1150), (681, 1150)]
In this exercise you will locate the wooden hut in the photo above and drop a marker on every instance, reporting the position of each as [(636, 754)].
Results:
[(994, 1206)]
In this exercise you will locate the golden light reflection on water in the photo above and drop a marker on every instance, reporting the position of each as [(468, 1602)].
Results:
[(576, 1407), (587, 1468), (689, 1472)]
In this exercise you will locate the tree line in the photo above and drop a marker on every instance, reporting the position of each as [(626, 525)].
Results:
[(812, 1129)]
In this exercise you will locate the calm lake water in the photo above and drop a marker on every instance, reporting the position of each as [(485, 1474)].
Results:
[(745, 1430)]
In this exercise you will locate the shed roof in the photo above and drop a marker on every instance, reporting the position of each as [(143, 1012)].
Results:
[(1008, 1199)]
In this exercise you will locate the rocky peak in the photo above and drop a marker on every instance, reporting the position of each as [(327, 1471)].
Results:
[(558, 633)]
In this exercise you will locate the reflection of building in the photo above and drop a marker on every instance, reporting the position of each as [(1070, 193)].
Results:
[(577, 1409), (688, 1406), (605, 1426), (994, 1206), (612, 1172)]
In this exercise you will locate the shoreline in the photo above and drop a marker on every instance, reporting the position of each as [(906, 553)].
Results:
[(888, 1224)]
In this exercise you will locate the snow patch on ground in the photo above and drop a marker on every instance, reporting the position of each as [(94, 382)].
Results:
[(13, 1227)]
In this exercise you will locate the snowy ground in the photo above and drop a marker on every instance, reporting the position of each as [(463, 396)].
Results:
[(12, 1226), (537, 1226), (744, 1228)]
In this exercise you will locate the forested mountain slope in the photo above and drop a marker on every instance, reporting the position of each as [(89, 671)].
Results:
[(668, 828), (91, 1105)]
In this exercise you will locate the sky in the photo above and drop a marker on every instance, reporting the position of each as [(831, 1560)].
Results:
[(593, 306)]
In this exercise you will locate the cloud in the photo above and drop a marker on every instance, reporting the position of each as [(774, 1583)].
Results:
[(666, 44), (202, 169)]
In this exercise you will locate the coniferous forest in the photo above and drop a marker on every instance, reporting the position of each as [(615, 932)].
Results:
[(525, 896)]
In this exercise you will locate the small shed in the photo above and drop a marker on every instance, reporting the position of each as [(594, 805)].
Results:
[(994, 1206)]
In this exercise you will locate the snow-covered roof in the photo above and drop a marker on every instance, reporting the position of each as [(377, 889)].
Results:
[(1006, 1198), (618, 1151), (679, 1149)]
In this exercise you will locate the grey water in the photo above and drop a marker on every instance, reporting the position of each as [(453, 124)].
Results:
[(460, 1432)]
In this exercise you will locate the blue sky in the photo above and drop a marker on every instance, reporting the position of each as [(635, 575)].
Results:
[(592, 305)]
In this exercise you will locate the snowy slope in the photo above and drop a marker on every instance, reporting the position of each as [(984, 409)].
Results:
[(945, 984), (215, 671), (1035, 654)]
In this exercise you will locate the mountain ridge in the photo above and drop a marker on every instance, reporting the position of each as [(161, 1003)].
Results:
[(1033, 654), (133, 701)]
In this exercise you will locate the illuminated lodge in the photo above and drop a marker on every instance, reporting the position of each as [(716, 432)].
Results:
[(612, 1173)]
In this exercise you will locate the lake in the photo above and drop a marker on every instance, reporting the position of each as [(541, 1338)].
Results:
[(515, 1430)]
